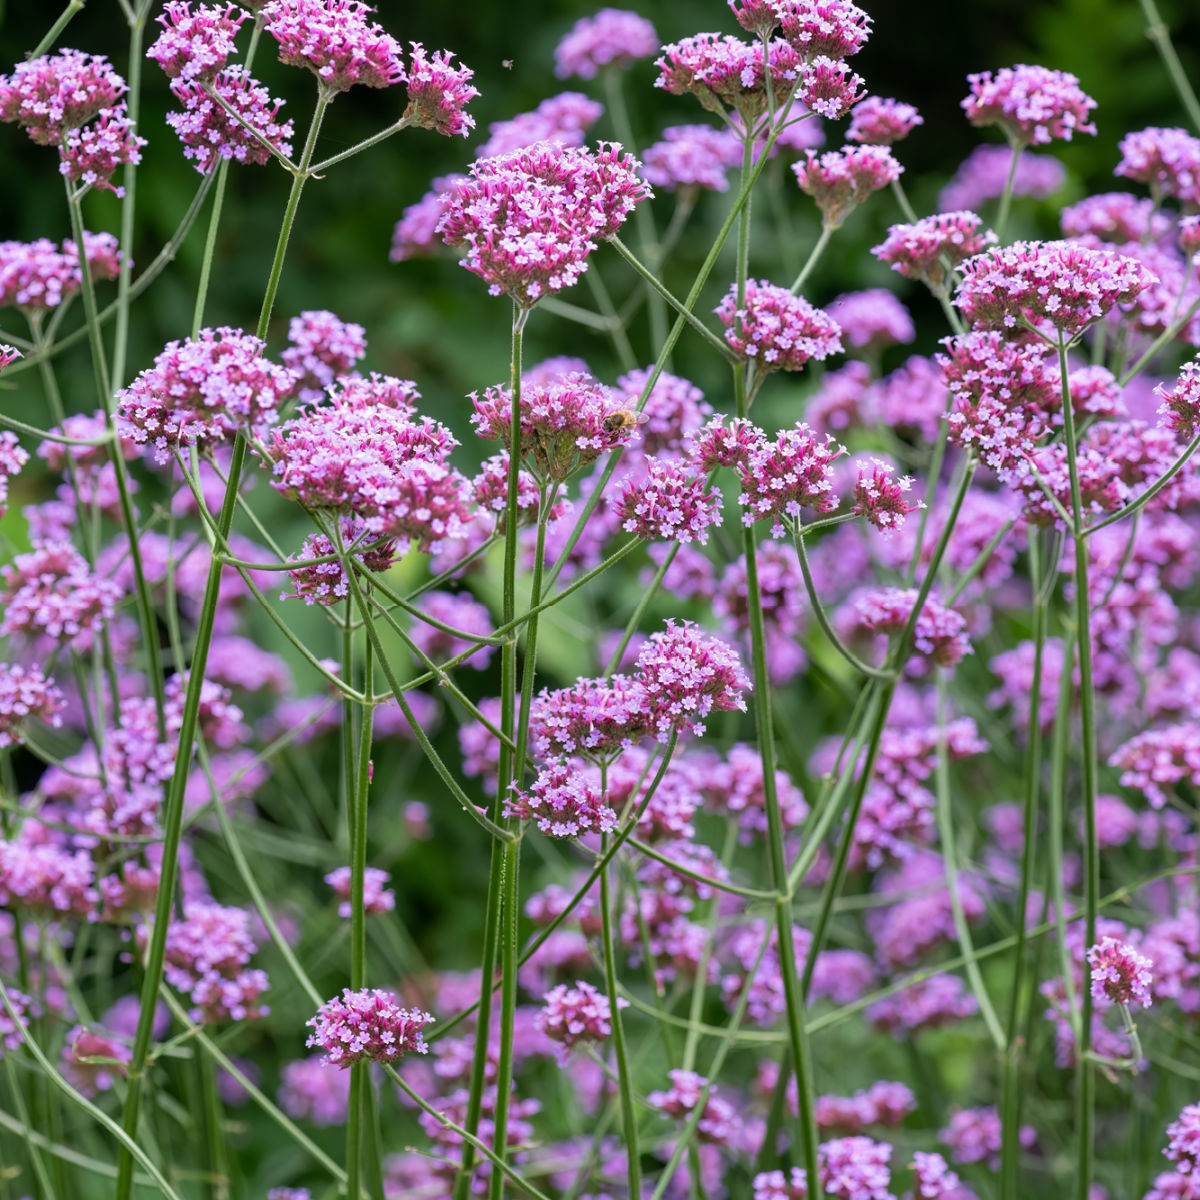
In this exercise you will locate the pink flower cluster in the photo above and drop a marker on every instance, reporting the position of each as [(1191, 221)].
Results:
[(1183, 1141), (336, 40), (321, 347), (691, 156), (566, 422), (210, 130), (207, 956), (841, 180), (367, 1026), (38, 275), (530, 219), (611, 38), (195, 45), (563, 119), (1120, 975), (25, 693), (1166, 160), (1031, 104), (719, 1123), (776, 330), (377, 897), (940, 633), (52, 592), (562, 803), (573, 1014), (1061, 284), (202, 391), (924, 249), (879, 122), (879, 495), (1180, 409), (439, 92), (669, 502), (784, 475)]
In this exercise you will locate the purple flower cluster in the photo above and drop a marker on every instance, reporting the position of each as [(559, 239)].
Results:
[(612, 37), (39, 276), (52, 592), (876, 121), (202, 391), (940, 633), (668, 502), (366, 1026), (983, 175), (439, 92), (321, 348), (776, 330), (1120, 975), (530, 219), (573, 1014), (377, 898), (195, 45), (691, 156), (563, 119), (1031, 104), (781, 477), (336, 40), (879, 495), (840, 180), (1166, 160), (925, 249), (26, 694)]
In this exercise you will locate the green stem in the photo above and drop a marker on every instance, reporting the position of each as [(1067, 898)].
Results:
[(1006, 195), (1158, 32), (172, 821), (827, 232), (1087, 1068), (210, 245), (1010, 1142), (55, 31)]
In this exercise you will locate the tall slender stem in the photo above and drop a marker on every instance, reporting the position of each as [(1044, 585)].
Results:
[(1007, 194), (1010, 1144), (1086, 1095), (172, 822), (1160, 35)]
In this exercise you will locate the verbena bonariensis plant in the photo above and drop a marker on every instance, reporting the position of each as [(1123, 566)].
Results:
[(861, 865)]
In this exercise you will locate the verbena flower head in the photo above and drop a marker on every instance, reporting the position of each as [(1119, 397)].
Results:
[(415, 235), (876, 121), (1156, 761), (530, 219), (611, 37), (564, 118), (872, 320), (973, 1136), (940, 633), (594, 718), (782, 476), (718, 445), (207, 954), (829, 88), (879, 495), (841, 180), (336, 40), (1183, 1141), (934, 1180), (26, 694), (1166, 160), (922, 250), (666, 500), (325, 583), (719, 1123), (574, 1014), (52, 592), (39, 276), (209, 133), (1115, 217), (321, 347), (776, 330), (202, 391), (311, 1089), (195, 43), (1180, 409), (686, 675), (377, 897), (55, 93), (367, 1026), (1031, 104), (12, 458), (983, 175), (725, 72), (831, 28), (852, 1168), (1120, 975), (691, 156), (92, 154), (566, 422), (1063, 284), (439, 92), (562, 802)]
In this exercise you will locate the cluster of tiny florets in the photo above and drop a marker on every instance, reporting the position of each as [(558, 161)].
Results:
[(571, 1014), (611, 37), (367, 1026), (840, 180), (439, 92), (1031, 104), (925, 249), (1166, 160), (876, 121), (1180, 409), (377, 896), (40, 275), (1120, 975), (25, 694), (209, 132), (203, 390), (787, 473), (336, 40), (879, 495), (776, 330), (562, 802), (530, 219), (321, 347), (691, 156), (940, 633), (666, 500), (1062, 284), (195, 44), (52, 592)]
